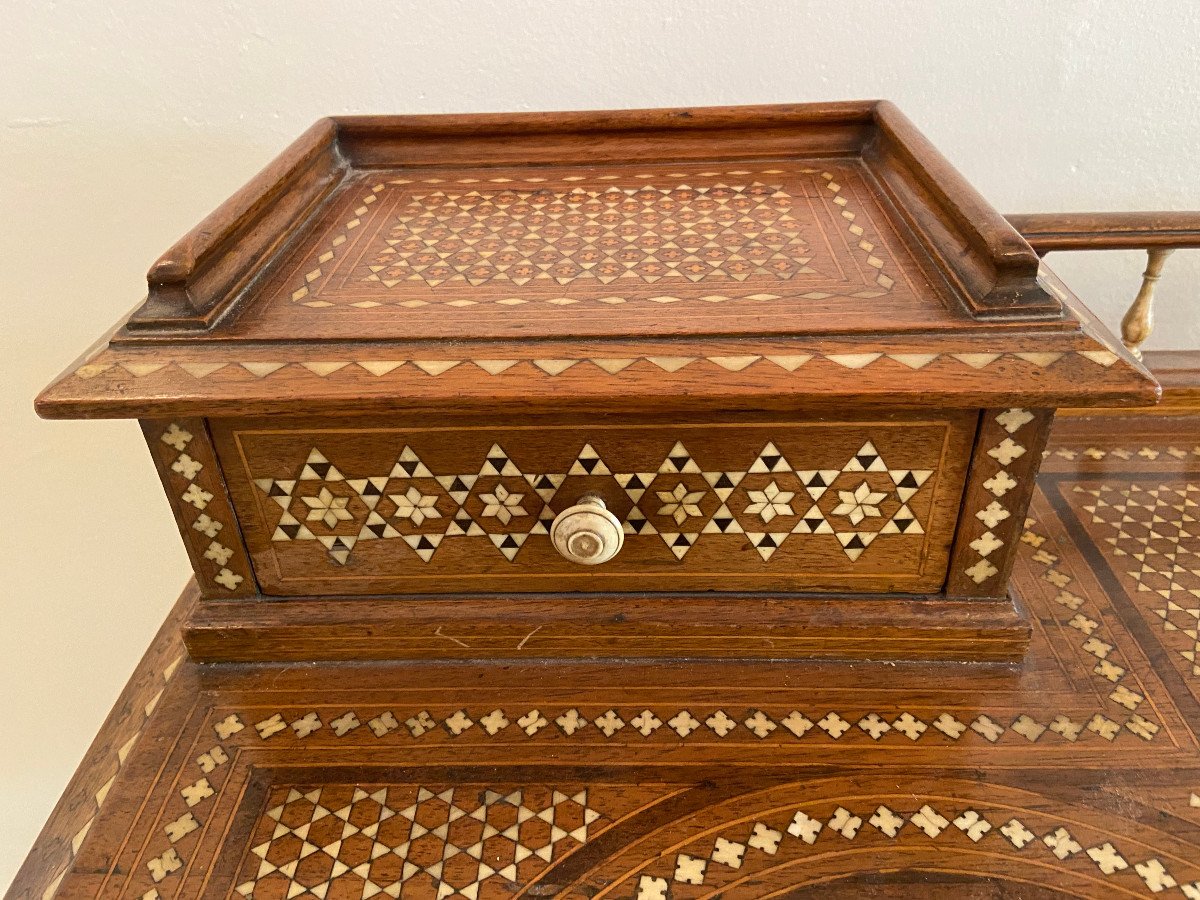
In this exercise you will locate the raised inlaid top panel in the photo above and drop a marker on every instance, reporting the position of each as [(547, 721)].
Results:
[(774, 247), (816, 251)]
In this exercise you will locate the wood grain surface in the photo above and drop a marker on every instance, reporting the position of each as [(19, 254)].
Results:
[(1047, 232)]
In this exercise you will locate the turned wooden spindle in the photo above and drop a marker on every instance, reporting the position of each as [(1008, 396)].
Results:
[(1139, 319)]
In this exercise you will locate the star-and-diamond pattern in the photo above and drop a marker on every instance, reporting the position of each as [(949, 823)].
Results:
[(769, 502), (367, 842)]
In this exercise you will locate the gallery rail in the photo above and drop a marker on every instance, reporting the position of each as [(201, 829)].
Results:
[(1158, 233)]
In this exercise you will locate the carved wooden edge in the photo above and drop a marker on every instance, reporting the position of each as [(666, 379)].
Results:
[(1049, 232), (199, 277), (60, 838), (626, 135), (187, 464), (996, 270), (193, 281), (342, 378), (1179, 373), (601, 627), (1000, 485), (678, 119)]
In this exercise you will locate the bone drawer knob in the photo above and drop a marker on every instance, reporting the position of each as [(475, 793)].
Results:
[(587, 533)]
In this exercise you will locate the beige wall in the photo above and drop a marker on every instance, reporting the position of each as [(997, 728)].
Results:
[(124, 122)]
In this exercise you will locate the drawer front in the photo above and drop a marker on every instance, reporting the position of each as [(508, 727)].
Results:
[(388, 507)]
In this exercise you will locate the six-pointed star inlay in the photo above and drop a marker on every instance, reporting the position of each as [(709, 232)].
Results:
[(766, 504)]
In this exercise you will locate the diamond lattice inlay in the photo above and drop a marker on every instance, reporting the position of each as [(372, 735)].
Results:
[(648, 233), (1154, 532)]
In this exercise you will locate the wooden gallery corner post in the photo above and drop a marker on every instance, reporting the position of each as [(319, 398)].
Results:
[(739, 382)]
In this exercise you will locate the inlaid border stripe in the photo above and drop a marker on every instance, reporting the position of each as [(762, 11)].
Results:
[(433, 367)]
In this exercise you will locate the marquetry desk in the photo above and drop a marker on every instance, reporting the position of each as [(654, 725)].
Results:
[(729, 382), (480, 429)]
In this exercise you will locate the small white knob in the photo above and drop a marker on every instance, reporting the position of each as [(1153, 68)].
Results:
[(587, 533)]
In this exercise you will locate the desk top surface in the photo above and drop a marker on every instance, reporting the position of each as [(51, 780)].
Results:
[(1075, 771)]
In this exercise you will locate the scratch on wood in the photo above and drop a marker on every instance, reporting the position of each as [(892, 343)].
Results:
[(448, 637), (521, 646)]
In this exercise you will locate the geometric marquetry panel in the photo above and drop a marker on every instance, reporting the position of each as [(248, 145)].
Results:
[(1077, 770), (846, 501), (406, 840), (543, 251), (410, 243), (1151, 530), (768, 502), (648, 233), (478, 841)]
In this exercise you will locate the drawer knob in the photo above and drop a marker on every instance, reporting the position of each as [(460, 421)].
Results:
[(587, 533)]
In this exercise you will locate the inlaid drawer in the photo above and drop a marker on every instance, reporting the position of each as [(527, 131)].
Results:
[(390, 507)]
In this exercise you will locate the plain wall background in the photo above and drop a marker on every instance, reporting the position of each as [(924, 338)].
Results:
[(123, 123)]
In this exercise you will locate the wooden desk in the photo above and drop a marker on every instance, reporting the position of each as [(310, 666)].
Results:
[(1074, 771)]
